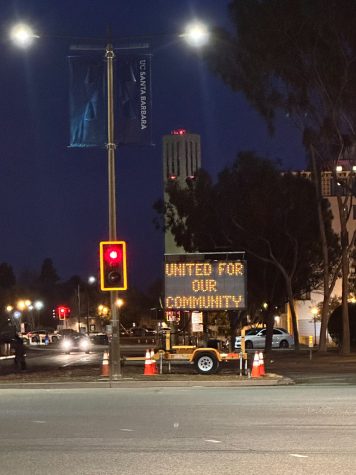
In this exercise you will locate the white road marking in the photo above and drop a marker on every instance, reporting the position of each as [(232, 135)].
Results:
[(127, 430), (39, 422), (176, 425), (213, 441), (299, 455)]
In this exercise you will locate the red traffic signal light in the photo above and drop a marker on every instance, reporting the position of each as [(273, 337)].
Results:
[(113, 275), (63, 312)]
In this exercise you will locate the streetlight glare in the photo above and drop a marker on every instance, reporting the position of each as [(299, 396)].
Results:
[(38, 305), (22, 35), (119, 302), (196, 34)]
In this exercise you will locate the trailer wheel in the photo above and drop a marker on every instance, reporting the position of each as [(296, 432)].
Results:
[(206, 363)]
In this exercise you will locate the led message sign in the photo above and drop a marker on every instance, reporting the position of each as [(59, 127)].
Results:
[(205, 285)]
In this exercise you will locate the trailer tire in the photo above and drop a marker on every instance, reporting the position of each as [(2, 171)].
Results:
[(206, 363)]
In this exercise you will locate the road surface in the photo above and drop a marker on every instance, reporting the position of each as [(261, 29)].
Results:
[(278, 430)]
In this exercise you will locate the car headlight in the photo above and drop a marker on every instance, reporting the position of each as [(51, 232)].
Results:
[(84, 345), (66, 344)]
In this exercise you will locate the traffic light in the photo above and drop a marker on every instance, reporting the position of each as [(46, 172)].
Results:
[(63, 312), (113, 274)]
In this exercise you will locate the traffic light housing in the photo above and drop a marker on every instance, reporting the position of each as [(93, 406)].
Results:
[(63, 312), (113, 274)]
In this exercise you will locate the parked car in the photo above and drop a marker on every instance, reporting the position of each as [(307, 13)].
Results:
[(38, 336), (256, 338), (99, 338), (142, 332), (75, 342)]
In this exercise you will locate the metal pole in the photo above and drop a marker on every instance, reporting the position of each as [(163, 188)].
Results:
[(115, 341), (78, 290), (88, 331)]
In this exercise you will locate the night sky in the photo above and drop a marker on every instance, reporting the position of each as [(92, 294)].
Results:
[(53, 200)]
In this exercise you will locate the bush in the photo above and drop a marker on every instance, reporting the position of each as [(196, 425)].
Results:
[(335, 325)]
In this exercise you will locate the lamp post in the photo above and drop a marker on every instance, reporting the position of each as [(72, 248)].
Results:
[(38, 304), (196, 35), (314, 312), (91, 281)]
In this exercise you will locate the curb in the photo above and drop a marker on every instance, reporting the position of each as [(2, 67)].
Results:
[(128, 383)]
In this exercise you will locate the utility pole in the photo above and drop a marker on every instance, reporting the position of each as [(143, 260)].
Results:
[(111, 147)]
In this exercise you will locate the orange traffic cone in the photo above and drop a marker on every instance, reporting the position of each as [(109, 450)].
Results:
[(262, 365), (148, 364), (105, 367), (256, 366), (153, 363)]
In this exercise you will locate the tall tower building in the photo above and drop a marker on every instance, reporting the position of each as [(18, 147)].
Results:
[(181, 160)]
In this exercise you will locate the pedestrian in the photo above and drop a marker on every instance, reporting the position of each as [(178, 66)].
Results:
[(46, 339), (20, 353)]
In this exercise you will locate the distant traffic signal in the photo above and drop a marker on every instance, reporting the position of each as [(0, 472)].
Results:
[(113, 275), (63, 312)]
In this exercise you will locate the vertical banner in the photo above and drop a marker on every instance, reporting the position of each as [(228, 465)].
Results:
[(87, 101), (133, 119)]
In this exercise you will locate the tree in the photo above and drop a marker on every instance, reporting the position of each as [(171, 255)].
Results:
[(335, 325), (297, 56), (48, 275), (253, 207), (7, 286), (7, 276)]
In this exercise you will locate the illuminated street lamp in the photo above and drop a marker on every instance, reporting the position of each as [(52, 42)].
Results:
[(91, 281), (196, 34), (314, 312), (22, 305), (38, 304), (22, 35), (103, 310), (119, 303)]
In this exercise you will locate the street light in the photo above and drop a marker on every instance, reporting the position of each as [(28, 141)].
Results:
[(22, 35), (38, 304), (91, 281), (196, 35), (103, 311), (314, 312), (119, 303)]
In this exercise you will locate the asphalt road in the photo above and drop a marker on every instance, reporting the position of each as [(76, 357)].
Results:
[(278, 430), (42, 357)]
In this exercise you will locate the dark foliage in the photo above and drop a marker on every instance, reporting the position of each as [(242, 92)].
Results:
[(335, 325)]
